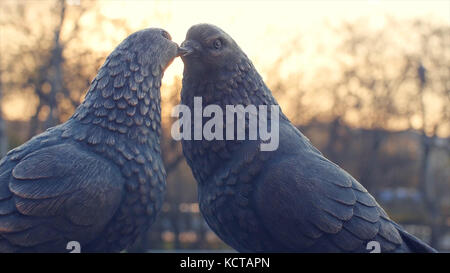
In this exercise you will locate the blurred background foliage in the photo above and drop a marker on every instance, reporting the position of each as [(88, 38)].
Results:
[(375, 100)]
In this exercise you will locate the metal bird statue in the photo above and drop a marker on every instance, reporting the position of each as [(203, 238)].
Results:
[(292, 199), (97, 179)]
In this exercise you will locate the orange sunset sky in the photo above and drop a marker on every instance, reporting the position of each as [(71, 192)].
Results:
[(261, 28)]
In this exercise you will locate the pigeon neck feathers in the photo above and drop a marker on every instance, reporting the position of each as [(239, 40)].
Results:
[(124, 98), (236, 83)]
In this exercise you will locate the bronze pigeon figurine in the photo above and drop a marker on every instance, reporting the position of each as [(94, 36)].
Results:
[(289, 199), (97, 179)]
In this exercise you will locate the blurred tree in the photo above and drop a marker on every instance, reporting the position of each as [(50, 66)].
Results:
[(394, 77), (433, 81), (49, 55), (3, 136)]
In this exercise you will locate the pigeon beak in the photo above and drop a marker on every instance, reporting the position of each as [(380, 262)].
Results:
[(184, 51), (189, 47)]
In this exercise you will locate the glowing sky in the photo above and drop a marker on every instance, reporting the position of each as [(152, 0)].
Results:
[(261, 28)]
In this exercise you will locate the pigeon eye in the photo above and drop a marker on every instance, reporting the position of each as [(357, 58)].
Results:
[(166, 35), (217, 44)]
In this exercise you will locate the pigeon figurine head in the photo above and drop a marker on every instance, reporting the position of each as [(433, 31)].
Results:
[(152, 45), (207, 48)]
